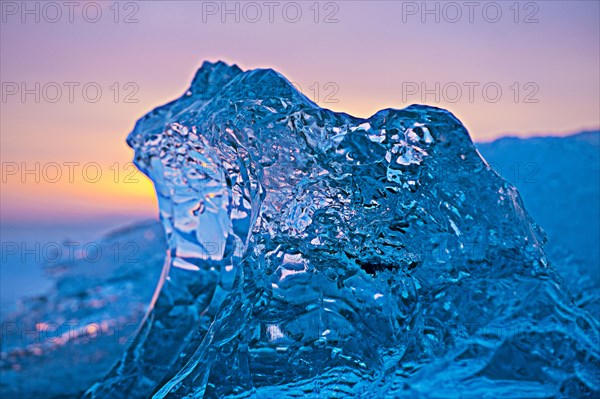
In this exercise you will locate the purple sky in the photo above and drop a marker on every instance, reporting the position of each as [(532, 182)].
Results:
[(360, 56)]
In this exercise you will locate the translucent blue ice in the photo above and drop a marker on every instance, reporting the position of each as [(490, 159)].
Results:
[(315, 254)]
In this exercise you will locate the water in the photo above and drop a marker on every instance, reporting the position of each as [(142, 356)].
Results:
[(81, 310), (29, 246)]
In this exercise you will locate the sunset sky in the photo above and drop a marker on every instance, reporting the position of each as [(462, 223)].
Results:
[(361, 56)]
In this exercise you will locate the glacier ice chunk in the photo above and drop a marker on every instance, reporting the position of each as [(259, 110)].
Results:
[(326, 255)]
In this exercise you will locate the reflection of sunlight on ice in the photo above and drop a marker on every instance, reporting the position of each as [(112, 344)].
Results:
[(53, 335), (274, 332), (182, 264), (287, 272), (292, 264)]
